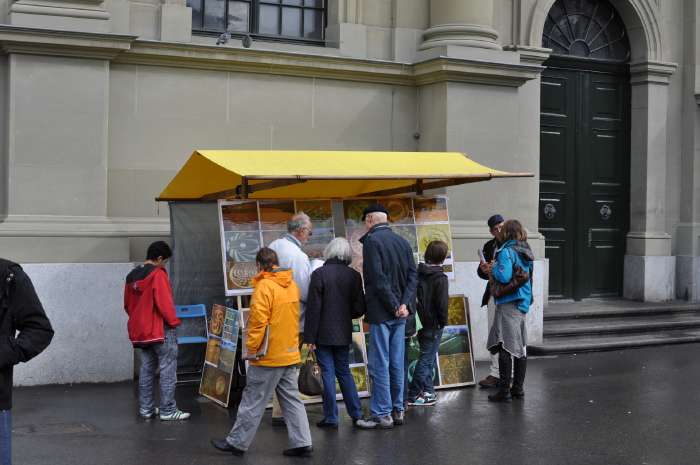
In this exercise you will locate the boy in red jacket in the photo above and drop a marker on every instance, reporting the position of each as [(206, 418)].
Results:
[(148, 300)]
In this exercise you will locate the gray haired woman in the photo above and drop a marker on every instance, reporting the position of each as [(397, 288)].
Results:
[(335, 298)]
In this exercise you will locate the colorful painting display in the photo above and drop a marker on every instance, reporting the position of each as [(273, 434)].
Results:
[(248, 225), (454, 365), (220, 355), (419, 220)]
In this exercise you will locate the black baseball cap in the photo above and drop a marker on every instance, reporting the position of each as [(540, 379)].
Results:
[(494, 220), (373, 209)]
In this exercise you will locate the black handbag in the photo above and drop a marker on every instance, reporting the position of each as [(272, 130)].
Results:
[(310, 381)]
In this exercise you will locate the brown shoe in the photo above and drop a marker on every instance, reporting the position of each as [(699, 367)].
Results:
[(489, 382)]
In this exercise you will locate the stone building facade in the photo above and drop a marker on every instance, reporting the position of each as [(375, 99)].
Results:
[(104, 100)]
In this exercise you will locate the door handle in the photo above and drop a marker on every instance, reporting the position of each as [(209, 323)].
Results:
[(590, 237)]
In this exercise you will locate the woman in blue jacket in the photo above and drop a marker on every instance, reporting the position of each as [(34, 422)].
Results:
[(508, 336)]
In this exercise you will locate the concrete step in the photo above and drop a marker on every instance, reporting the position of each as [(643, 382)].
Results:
[(614, 309), (592, 343), (622, 325)]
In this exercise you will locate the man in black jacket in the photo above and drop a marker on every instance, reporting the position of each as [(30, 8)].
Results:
[(389, 272), (24, 332), (495, 224)]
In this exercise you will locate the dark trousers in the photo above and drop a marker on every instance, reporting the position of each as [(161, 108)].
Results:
[(335, 363), (507, 364), (429, 340), (5, 437)]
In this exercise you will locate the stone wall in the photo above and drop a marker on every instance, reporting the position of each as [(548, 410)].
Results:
[(85, 304)]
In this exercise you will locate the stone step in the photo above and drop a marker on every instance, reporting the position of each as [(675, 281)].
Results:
[(592, 343), (614, 309), (621, 325)]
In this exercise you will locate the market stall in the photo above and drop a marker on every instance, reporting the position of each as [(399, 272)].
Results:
[(225, 205)]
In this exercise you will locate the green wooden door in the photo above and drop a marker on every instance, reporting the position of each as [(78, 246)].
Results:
[(584, 176)]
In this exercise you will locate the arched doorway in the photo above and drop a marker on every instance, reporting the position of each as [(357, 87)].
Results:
[(585, 148)]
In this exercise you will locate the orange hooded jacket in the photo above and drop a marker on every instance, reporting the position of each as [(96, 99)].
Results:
[(275, 302)]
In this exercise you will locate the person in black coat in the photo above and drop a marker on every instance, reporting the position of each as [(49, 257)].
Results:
[(24, 332), (390, 277), (335, 298), (495, 224)]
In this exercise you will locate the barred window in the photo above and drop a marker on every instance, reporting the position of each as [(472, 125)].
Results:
[(295, 20)]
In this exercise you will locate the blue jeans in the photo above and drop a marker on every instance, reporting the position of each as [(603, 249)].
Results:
[(164, 356), (335, 363), (429, 340), (5, 437), (386, 360)]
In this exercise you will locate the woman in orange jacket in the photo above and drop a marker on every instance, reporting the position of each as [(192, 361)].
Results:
[(275, 305)]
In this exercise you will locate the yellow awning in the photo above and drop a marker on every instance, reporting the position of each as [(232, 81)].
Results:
[(268, 174)]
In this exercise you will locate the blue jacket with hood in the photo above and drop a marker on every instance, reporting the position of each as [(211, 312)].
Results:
[(515, 253)]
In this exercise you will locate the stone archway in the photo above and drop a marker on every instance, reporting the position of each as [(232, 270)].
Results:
[(649, 267), (641, 18)]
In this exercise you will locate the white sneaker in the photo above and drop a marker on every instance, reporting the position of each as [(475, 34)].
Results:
[(176, 415), (148, 415)]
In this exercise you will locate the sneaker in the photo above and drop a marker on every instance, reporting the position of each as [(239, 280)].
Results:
[(431, 397), (325, 424), (148, 415), (423, 400), (489, 382), (397, 417), (176, 415), (224, 446), (385, 422), (304, 451)]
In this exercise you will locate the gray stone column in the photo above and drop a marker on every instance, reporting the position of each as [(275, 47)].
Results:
[(175, 21), (80, 15), (649, 266), (461, 22), (688, 231), (56, 143)]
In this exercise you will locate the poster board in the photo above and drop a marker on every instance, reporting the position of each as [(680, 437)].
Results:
[(248, 225), (220, 356), (454, 365), (419, 220)]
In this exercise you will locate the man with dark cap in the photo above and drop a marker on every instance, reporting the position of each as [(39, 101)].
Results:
[(495, 224), (390, 278)]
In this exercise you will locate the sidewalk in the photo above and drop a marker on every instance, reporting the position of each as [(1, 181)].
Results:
[(612, 408)]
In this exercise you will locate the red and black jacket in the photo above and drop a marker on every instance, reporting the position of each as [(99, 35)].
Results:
[(148, 300)]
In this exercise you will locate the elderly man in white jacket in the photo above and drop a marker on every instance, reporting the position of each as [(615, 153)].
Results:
[(290, 255)]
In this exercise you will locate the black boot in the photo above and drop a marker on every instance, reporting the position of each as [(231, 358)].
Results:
[(505, 366), (520, 366)]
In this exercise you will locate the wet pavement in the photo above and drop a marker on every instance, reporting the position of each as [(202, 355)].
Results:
[(637, 406)]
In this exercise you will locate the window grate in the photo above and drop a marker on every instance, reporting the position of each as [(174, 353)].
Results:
[(280, 20), (586, 28)]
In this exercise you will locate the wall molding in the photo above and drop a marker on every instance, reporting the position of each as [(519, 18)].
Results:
[(36, 41), (470, 229), (82, 226), (126, 49)]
